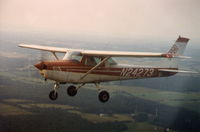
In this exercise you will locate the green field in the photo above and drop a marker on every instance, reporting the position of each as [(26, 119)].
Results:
[(17, 108)]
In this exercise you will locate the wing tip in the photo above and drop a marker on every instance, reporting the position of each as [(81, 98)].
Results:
[(22, 45)]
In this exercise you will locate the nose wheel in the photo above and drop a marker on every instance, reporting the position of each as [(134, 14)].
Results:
[(53, 95), (104, 96)]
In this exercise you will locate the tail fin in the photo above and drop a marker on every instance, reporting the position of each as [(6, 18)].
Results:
[(176, 52), (179, 47)]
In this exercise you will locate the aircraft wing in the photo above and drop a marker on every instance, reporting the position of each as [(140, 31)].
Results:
[(96, 52)]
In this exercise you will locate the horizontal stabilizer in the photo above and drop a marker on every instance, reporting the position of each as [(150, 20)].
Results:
[(178, 71), (183, 57)]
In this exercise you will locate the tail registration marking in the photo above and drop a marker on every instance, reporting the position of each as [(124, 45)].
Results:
[(137, 72), (174, 49)]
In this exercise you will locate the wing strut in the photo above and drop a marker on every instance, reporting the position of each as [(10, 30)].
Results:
[(54, 54), (95, 67)]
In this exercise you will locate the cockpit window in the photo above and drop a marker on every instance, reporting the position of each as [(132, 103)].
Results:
[(88, 60), (111, 62), (92, 60)]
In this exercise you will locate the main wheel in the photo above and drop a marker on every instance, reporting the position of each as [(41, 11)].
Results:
[(71, 90), (53, 95), (104, 96)]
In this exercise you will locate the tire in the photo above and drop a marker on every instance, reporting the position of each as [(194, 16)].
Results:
[(104, 96), (71, 90), (53, 95)]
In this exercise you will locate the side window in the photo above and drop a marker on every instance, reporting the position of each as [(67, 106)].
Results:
[(110, 62), (92, 61), (97, 60)]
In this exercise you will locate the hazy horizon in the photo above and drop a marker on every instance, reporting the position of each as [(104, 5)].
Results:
[(154, 19)]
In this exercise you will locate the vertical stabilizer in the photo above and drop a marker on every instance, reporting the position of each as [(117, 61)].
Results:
[(179, 47), (176, 50)]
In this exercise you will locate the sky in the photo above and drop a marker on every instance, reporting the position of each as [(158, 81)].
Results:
[(109, 18)]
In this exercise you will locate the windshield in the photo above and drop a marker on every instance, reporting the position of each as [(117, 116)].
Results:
[(73, 55)]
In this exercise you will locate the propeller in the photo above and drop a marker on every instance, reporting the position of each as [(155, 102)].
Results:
[(38, 62), (44, 56)]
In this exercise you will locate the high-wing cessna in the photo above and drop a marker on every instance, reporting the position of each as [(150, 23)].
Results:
[(79, 67)]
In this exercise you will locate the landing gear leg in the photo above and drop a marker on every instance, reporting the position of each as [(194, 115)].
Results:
[(98, 86), (53, 95)]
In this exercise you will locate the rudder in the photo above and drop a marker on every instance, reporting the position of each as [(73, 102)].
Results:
[(179, 46)]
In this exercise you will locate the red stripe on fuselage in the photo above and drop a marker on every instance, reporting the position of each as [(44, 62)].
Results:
[(71, 66)]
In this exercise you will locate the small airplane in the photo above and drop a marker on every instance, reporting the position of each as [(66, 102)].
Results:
[(79, 67)]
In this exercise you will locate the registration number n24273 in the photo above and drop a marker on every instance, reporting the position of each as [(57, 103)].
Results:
[(137, 72)]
